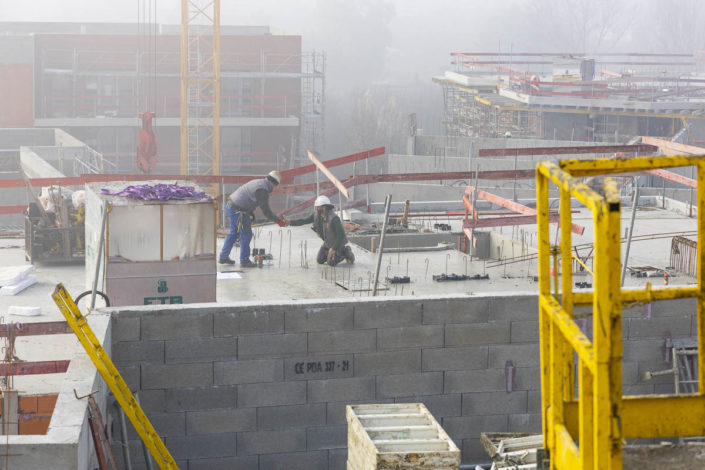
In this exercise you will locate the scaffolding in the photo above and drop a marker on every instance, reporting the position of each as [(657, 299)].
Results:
[(313, 105), (200, 87)]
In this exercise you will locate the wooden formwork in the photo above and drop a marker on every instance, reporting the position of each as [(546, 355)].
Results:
[(402, 436)]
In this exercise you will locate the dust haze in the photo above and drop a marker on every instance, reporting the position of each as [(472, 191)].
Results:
[(381, 54)]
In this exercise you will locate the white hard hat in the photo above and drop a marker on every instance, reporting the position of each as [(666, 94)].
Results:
[(322, 201), (275, 175)]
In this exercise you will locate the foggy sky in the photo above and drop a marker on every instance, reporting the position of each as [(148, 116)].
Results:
[(406, 40)]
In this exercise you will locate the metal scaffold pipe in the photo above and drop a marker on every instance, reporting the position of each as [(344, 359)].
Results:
[(387, 203)]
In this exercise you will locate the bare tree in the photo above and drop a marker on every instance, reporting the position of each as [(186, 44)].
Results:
[(583, 26)]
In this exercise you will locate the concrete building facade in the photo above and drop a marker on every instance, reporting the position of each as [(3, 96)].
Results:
[(93, 80)]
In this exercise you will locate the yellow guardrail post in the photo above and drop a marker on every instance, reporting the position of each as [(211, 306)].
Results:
[(112, 378), (587, 433)]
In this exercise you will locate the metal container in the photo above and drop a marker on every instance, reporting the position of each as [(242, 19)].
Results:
[(155, 252)]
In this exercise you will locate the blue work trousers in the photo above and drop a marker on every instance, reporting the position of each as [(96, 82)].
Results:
[(243, 220)]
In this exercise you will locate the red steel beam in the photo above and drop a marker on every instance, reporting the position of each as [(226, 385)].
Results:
[(667, 146), (504, 221), (35, 329), (12, 209), (515, 206), (505, 152), (288, 175), (33, 368), (674, 177)]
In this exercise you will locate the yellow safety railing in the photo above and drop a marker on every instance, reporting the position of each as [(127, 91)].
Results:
[(587, 431), (112, 377)]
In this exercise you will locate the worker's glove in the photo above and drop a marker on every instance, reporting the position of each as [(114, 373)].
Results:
[(331, 254), (282, 222)]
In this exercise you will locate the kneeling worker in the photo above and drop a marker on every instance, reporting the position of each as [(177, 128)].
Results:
[(241, 204), (328, 226)]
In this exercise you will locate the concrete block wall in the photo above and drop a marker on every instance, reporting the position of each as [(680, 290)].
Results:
[(254, 385)]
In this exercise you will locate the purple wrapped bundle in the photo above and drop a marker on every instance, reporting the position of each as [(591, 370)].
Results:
[(160, 192)]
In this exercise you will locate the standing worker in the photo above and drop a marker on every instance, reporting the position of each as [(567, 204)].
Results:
[(241, 204), (328, 226)]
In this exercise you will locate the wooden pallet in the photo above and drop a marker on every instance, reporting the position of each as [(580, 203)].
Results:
[(402, 436)]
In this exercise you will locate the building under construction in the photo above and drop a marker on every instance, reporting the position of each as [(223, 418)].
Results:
[(601, 97), (524, 292)]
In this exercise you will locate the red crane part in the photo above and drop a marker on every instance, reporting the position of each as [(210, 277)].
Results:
[(147, 144)]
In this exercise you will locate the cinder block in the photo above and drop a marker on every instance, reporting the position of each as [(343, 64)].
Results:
[(203, 446), (321, 318), (153, 401), (674, 307), (385, 363), (193, 399), (338, 459), (131, 375), (176, 375), (221, 421), (425, 383), (166, 425), (657, 327), (534, 401), (326, 437), (254, 371), (247, 462), (454, 358), (295, 461), (482, 380), (271, 442), (455, 311), (271, 394), (638, 389), (472, 451), (524, 331), (247, 322), (469, 427), (477, 333), (410, 337), (664, 388), (336, 410), (527, 378), (644, 350), (440, 406), (388, 314), (138, 351), (176, 324), (525, 423), (201, 350), (271, 345), (355, 388), (510, 307), (494, 403), (124, 328), (351, 341), (630, 373), (521, 355), (278, 417)]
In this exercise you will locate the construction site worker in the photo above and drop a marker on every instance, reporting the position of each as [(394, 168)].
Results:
[(241, 204), (329, 228)]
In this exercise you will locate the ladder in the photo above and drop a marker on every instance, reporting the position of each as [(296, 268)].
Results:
[(112, 378)]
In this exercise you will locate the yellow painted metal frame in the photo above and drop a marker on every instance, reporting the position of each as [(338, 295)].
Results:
[(112, 378), (586, 432)]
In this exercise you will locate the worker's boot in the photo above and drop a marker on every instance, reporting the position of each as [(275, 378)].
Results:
[(349, 255), (226, 261)]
